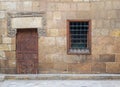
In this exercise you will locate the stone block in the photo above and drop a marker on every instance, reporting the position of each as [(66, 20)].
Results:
[(83, 6), (117, 23), (63, 6), (117, 49), (5, 47), (57, 15), (98, 67), (39, 5), (58, 57), (27, 5), (47, 41), (100, 32), (83, 14), (48, 59), (2, 14), (2, 55), (43, 5), (117, 46), (60, 41), (52, 24), (12, 63), (13, 47), (106, 24), (62, 32), (79, 68), (20, 6), (107, 58), (0, 39), (111, 14), (6, 40), (117, 58), (72, 14), (73, 6), (52, 6), (110, 49), (108, 5), (9, 6), (36, 6), (29, 22), (97, 6), (2, 70), (116, 4), (11, 55), (10, 71), (113, 67), (76, 58), (46, 66), (13, 41), (52, 32), (61, 67), (49, 15), (99, 24), (104, 40), (4, 63)]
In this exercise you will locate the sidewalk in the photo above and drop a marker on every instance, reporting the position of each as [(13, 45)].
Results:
[(60, 80), (61, 83)]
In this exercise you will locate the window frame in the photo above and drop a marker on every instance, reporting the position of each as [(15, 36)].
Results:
[(69, 38)]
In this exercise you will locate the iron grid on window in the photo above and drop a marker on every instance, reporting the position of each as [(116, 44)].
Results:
[(78, 36)]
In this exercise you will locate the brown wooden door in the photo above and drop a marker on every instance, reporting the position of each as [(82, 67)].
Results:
[(27, 51)]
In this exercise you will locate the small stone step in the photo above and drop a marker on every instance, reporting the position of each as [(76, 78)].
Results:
[(60, 77)]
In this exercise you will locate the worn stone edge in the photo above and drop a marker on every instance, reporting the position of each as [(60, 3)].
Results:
[(61, 77)]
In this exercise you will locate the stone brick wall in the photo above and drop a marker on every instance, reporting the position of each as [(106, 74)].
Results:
[(53, 57)]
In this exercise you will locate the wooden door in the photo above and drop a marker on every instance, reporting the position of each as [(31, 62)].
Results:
[(27, 51)]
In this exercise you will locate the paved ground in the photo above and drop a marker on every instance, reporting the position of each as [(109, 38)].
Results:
[(61, 83)]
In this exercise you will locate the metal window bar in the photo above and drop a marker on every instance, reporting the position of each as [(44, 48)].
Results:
[(78, 35)]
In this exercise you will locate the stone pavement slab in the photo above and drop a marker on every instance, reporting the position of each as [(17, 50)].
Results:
[(61, 83)]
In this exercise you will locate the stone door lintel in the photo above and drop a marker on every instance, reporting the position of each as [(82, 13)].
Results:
[(12, 30)]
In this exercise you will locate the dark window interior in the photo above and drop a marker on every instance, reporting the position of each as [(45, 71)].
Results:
[(78, 34)]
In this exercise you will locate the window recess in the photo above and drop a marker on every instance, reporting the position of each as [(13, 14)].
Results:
[(79, 37)]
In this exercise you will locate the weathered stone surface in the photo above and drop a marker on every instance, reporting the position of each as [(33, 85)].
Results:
[(2, 14), (12, 63), (52, 49), (61, 67), (107, 58), (57, 15), (117, 58), (83, 14), (116, 5), (8, 5), (46, 66), (4, 63), (52, 32), (29, 22), (6, 40), (5, 47), (62, 32), (47, 41), (98, 67), (80, 68), (11, 55), (60, 41), (115, 33), (83, 6), (27, 5), (113, 67), (2, 55)]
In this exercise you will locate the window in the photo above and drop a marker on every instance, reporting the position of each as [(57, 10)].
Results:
[(79, 37)]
